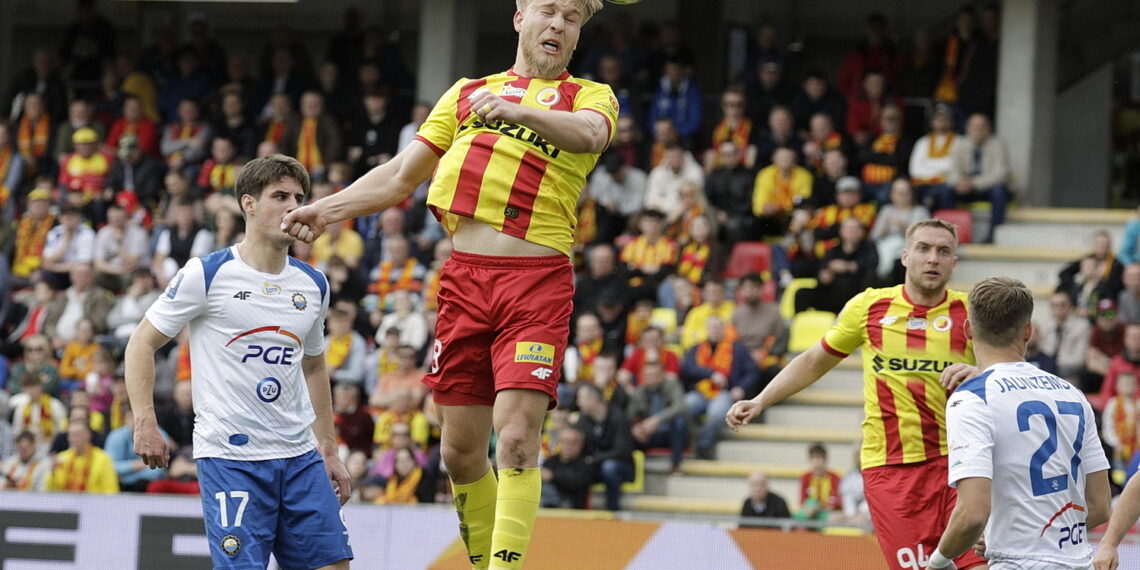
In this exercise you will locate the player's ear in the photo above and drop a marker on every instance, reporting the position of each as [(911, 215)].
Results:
[(905, 255), (1028, 333), (968, 328), (518, 21)]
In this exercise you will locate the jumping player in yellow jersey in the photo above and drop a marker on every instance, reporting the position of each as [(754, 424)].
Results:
[(914, 346), (513, 151)]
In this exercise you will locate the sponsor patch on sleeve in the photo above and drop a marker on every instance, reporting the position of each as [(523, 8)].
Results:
[(534, 352)]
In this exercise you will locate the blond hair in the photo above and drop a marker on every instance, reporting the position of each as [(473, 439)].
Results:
[(932, 223), (1000, 307), (589, 7)]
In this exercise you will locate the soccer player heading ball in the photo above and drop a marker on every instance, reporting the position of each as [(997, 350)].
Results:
[(513, 151), (912, 336)]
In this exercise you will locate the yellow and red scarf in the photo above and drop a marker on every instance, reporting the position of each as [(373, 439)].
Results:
[(31, 235), (384, 284), (402, 491), (694, 258), (1124, 421), (308, 153), (338, 349), (78, 468), (587, 353), (431, 295), (937, 151), (274, 131), (881, 173), (719, 360), (47, 424), (32, 140)]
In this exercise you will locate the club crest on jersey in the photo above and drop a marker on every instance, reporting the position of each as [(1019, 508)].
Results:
[(270, 289), (942, 323), (512, 91), (914, 324), (299, 302), (535, 352), (548, 96), (231, 545)]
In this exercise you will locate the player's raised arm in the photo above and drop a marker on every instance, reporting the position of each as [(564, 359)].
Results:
[(139, 375), (581, 132), (800, 373), (379, 189)]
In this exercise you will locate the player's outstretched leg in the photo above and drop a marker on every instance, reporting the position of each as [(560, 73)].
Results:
[(464, 443), (518, 421)]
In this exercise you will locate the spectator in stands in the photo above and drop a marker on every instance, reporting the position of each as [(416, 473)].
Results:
[(32, 233), (33, 136), (920, 68), (663, 187), (588, 344), (659, 414), (727, 186), (28, 469), (1129, 251), (404, 482), (218, 175), (876, 52), (886, 157), (11, 175), (823, 186), (932, 156), (1121, 428), (855, 510), (135, 122), (341, 241), (612, 72), (42, 78), (761, 328), (678, 98), (781, 132), (979, 171), (846, 269), (121, 247), (602, 273), (1034, 356), (1065, 337), (345, 350), (629, 144), (284, 64), (652, 256), (814, 97), (619, 190), (136, 172), (820, 138), (1126, 362), (78, 356), (176, 419), (766, 88), (316, 139), (701, 257), (404, 411), (176, 245), (36, 410), (130, 307), (79, 115), (82, 300), (567, 475), (354, 425), (235, 124), (762, 503), (864, 111), (406, 377), (716, 304), (819, 487), (374, 135), (83, 468), (280, 118), (956, 55), (399, 271), (83, 175), (716, 372), (889, 231), (98, 382), (188, 84), (826, 222), (650, 348), (7, 436), (734, 128), (1098, 275), (780, 189), (340, 100), (38, 361), (186, 139), (1105, 342), (88, 42), (406, 318), (1129, 298), (134, 476), (609, 442)]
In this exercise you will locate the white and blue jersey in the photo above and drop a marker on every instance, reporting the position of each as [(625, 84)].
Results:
[(1034, 435), (248, 333)]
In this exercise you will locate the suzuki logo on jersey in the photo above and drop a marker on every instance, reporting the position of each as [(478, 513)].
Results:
[(270, 355), (534, 352), (909, 364), (518, 132)]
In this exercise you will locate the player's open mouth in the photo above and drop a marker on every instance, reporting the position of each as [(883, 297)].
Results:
[(551, 47)]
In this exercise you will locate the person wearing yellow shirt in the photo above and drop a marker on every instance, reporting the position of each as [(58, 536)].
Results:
[(341, 241), (715, 304), (779, 189), (83, 468)]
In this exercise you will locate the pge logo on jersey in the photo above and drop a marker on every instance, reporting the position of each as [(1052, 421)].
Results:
[(534, 353), (266, 352)]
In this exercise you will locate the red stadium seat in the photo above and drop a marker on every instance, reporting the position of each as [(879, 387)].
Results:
[(749, 257), (963, 219)]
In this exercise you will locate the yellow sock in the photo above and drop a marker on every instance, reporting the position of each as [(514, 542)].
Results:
[(519, 493), (475, 504)]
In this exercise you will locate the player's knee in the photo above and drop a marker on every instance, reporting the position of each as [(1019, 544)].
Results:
[(517, 447), (463, 461)]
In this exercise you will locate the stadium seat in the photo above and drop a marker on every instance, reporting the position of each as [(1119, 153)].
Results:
[(748, 257), (788, 300), (807, 328), (638, 483), (962, 219)]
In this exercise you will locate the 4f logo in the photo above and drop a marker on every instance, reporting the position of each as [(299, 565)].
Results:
[(243, 295), (542, 373), (507, 556)]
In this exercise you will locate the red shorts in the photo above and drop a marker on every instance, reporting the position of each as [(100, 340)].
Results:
[(503, 323), (910, 507)]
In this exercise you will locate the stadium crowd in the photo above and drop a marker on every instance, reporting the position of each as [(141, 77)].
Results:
[(118, 165)]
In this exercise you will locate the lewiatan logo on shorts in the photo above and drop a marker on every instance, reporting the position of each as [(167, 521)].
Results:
[(534, 352)]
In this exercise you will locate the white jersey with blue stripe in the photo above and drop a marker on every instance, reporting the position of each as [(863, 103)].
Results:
[(1034, 435), (248, 333)]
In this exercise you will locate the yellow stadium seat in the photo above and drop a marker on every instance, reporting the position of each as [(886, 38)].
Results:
[(788, 300), (638, 483), (807, 328)]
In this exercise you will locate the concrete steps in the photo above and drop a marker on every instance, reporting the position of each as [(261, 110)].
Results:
[(785, 414)]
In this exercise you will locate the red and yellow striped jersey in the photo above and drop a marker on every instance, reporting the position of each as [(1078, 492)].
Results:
[(905, 348), (506, 175)]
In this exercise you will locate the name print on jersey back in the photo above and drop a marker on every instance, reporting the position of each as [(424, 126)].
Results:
[(1034, 435)]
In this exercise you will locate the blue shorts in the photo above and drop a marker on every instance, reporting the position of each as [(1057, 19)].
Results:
[(282, 506)]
